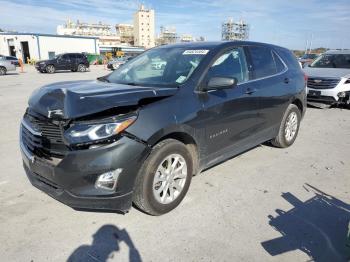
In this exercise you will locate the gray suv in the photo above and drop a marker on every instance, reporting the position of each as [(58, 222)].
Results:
[(6, 65)]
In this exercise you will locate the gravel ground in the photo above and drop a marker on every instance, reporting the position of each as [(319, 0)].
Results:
[(267, 204)]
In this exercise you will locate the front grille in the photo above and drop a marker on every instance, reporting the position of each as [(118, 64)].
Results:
[(42, 137), (322, 83)]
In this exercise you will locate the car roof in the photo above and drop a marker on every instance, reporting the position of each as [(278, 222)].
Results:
[(215, 44), (338, 52)]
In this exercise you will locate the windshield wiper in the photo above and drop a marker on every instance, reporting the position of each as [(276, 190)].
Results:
[(103, 79)]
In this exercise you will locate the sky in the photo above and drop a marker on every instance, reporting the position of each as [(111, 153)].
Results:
[(282, 22)]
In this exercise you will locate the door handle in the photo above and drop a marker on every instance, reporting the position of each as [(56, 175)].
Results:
[(286, 80), (250, 91)]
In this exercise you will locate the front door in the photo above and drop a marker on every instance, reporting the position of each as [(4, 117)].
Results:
[(229, 114), (63, 62)]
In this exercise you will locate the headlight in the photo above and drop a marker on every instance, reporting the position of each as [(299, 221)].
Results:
[(81, 133), (42, 63)]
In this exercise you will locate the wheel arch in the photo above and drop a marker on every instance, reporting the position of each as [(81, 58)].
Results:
[(190, 143), (299, 104)]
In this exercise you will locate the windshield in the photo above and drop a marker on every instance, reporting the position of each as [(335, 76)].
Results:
[(159, 66), (332, 61)]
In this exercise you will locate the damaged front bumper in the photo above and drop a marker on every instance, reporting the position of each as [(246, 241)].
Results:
[(71, 180)]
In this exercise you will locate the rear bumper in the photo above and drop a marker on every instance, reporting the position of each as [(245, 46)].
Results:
[(71, 180)]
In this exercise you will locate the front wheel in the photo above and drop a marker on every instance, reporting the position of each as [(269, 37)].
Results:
[(289, 127), (50, 69), (164, 178)]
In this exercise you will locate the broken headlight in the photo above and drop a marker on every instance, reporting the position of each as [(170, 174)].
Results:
[(88, 132)]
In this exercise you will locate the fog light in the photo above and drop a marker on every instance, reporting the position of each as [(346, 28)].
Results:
[(108, 180), (341, 94)]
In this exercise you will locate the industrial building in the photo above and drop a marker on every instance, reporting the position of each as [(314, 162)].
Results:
[(186, 38), (234, 30), (44, 46), (107, 37), (167, 35), (125, 33), (144, 27)]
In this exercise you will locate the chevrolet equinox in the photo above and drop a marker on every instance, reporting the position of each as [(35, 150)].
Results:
[(139, 134)]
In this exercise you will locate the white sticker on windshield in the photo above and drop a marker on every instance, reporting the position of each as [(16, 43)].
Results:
[(195, 52), (181, 79)]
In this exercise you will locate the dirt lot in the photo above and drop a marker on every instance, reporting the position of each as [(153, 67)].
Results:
[(265, 205)]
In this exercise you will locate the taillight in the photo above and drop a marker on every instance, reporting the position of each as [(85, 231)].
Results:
[(13, 63), (305, 77)]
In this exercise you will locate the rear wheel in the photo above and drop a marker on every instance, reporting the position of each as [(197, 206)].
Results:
[(81, 68), (164, 178), (50, 69), (2, 70), (289, 127)]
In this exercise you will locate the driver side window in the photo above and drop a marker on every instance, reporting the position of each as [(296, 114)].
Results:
[(231, 64)]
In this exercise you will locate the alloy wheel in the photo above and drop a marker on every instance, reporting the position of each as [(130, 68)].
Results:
[(170, 179), (81, 68), (291, 126)]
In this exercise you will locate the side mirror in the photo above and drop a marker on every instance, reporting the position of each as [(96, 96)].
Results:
[(217, 83)]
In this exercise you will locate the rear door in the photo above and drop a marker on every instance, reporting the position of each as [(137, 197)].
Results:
[(74, 60), (273, 88)]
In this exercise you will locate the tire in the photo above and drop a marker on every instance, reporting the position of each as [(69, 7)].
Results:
[(289, 127), (149, 179), (50, 69), (2, 71), (81, 68)]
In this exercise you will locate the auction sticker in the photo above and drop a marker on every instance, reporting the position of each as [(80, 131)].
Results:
[(195, 52)]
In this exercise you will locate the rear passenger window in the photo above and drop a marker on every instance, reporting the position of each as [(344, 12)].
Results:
[(72, 56), (263, 62), (231, 64)]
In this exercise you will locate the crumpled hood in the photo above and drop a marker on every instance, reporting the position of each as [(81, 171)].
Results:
[(73, 99), (327, 72)]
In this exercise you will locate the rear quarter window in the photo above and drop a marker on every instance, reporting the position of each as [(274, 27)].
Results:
[(280, 66)]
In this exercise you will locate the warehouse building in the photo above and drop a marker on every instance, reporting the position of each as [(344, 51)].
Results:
[(45, 46)]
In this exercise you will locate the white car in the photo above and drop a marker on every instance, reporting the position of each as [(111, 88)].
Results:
[(6, 65), (329, 78)]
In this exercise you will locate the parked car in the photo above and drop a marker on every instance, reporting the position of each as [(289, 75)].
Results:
[(139, 134), (307, 59), (6, 65), (114, 63), (158, 64), (68, 61), (12, 59), (117, 62), (329, 78)]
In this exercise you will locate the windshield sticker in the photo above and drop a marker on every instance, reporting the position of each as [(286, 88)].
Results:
[(181, 79), (195, 52)]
